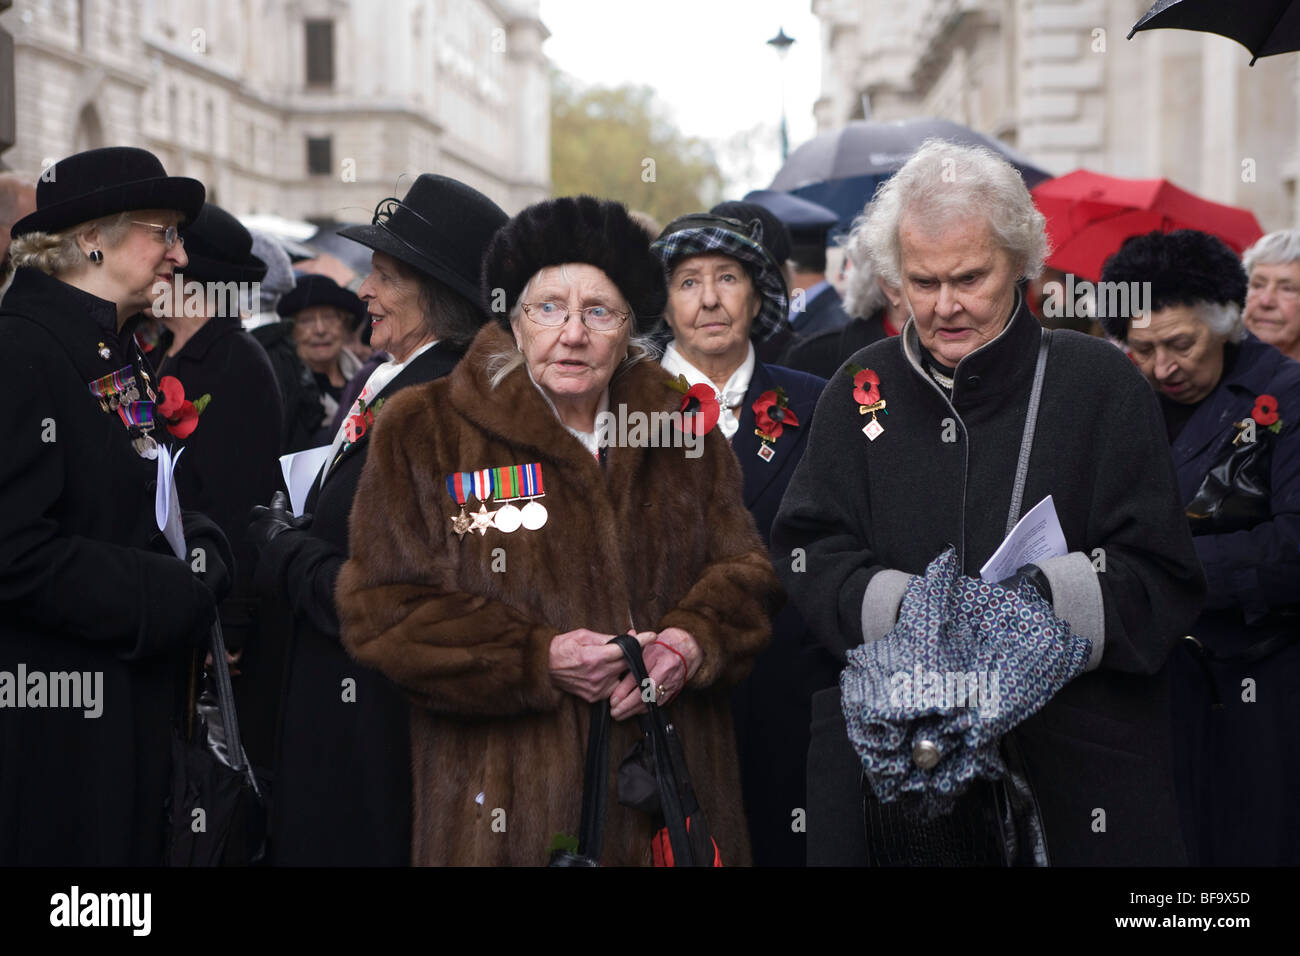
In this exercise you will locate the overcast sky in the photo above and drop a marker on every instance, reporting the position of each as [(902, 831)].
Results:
[(708, 63)]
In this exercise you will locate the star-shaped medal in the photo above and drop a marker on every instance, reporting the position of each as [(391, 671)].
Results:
[(460, 523), (482, 520)]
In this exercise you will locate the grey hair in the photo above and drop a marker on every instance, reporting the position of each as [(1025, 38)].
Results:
[(56, 252), (1279, 248), (1223, 319), (863, 296), (944, 181)]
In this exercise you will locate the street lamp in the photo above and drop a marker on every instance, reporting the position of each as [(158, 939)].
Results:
[(782, 43)]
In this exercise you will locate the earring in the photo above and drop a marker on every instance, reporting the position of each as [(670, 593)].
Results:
[(96, 257)]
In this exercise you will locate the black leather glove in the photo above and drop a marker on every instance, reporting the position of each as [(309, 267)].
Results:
[(1035, 576), (268, 523), (214, 563)]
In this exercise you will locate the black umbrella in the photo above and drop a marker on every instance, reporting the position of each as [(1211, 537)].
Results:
[(1264, 27), (841, 169)]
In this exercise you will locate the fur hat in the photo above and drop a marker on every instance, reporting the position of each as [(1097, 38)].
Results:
[(574, 229), (1184, 267)]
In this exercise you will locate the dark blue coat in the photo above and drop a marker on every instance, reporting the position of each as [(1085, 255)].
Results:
[(1238, 767), (772, 708), (825, 313)]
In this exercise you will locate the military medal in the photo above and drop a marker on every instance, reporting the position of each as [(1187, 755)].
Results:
[(773, 415), (866, 392), (458, 486), (138, 418), (506, 484), (117, 393), (104, 353), (532, 515)]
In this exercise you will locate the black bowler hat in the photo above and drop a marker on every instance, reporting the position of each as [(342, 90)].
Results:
[(317, 289), (441, 228), (100, 182), (220, 249)]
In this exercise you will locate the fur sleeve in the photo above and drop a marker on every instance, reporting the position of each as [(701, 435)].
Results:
[(728, 609), (400, 609)]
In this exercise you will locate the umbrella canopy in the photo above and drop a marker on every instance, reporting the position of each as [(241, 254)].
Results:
[(799, 215), (1264, 27), (1090, 215), (927, 705), (842, 168)]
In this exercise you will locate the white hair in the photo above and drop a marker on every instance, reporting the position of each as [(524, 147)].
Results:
[(1223, 319), (944, 182), (863, 296), (1279, 248)]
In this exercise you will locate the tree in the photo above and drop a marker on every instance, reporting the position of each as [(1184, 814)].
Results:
[(615, 143)]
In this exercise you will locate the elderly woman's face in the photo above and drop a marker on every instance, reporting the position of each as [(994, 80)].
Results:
[(959, 282), (392, 296), (141, 265), (1178, 354), (712, 304), (1273, 305), (318, 332), (571, 362)]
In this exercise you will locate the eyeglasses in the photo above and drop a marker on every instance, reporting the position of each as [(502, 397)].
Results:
[(598, 318), (170, 235)]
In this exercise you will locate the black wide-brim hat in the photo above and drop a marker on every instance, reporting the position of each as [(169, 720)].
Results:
[(702, 234), (100, 182), (440, 227), (220, 249), (314, 289), (580, 229)]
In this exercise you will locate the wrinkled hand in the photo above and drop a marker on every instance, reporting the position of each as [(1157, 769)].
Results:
[(268, 523), (665, 668), (585, 664)]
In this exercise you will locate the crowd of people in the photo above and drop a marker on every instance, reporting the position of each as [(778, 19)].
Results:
[(420, 648)]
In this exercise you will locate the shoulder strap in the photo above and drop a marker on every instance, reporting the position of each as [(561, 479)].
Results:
[(1027, 439), (595, 787)]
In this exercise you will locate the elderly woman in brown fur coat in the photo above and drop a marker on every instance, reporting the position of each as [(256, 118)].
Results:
[(498, 621)]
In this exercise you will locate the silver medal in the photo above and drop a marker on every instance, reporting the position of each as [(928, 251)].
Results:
[(533, 515), (509, 518)]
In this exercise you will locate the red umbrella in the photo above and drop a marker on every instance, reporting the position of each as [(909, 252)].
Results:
[(1090, 215)]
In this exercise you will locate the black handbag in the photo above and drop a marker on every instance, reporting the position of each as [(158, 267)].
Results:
[(652, 778), (216, 810), (1234, 495)]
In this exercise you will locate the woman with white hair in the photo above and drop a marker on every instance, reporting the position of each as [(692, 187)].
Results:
[(1273, 294), (876, 309), (931, 440), (1230, 403)]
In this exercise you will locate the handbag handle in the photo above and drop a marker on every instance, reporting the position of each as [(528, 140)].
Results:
[(1027, 437), (595, 788), (656, 725)]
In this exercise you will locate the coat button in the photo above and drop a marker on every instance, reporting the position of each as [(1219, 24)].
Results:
[(925, 754), (973, 381)]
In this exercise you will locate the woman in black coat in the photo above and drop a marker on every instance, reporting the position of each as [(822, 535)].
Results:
[(231, 454), (343, 768), (1231, 404), (875, 499), (98, 621), (725, 290)]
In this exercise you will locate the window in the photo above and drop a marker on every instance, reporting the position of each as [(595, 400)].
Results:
[(319, 160), (320, 52)]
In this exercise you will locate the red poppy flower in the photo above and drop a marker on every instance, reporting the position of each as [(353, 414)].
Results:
[(173, 396), (1265, 410), (700, 406), (771, 416), (870, 395), (183, 423), (354, 428)]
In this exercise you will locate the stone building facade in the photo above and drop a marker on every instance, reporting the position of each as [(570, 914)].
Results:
[(307, 109), (1058, 80)]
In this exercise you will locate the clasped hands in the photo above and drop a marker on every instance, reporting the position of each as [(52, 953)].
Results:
[(585, 664)]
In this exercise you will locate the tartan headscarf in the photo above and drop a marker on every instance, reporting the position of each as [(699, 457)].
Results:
[(704, 234)]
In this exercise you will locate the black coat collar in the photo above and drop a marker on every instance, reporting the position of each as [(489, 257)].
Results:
[(992, 370), (1256, 366), (201, 342), (77, 320)]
